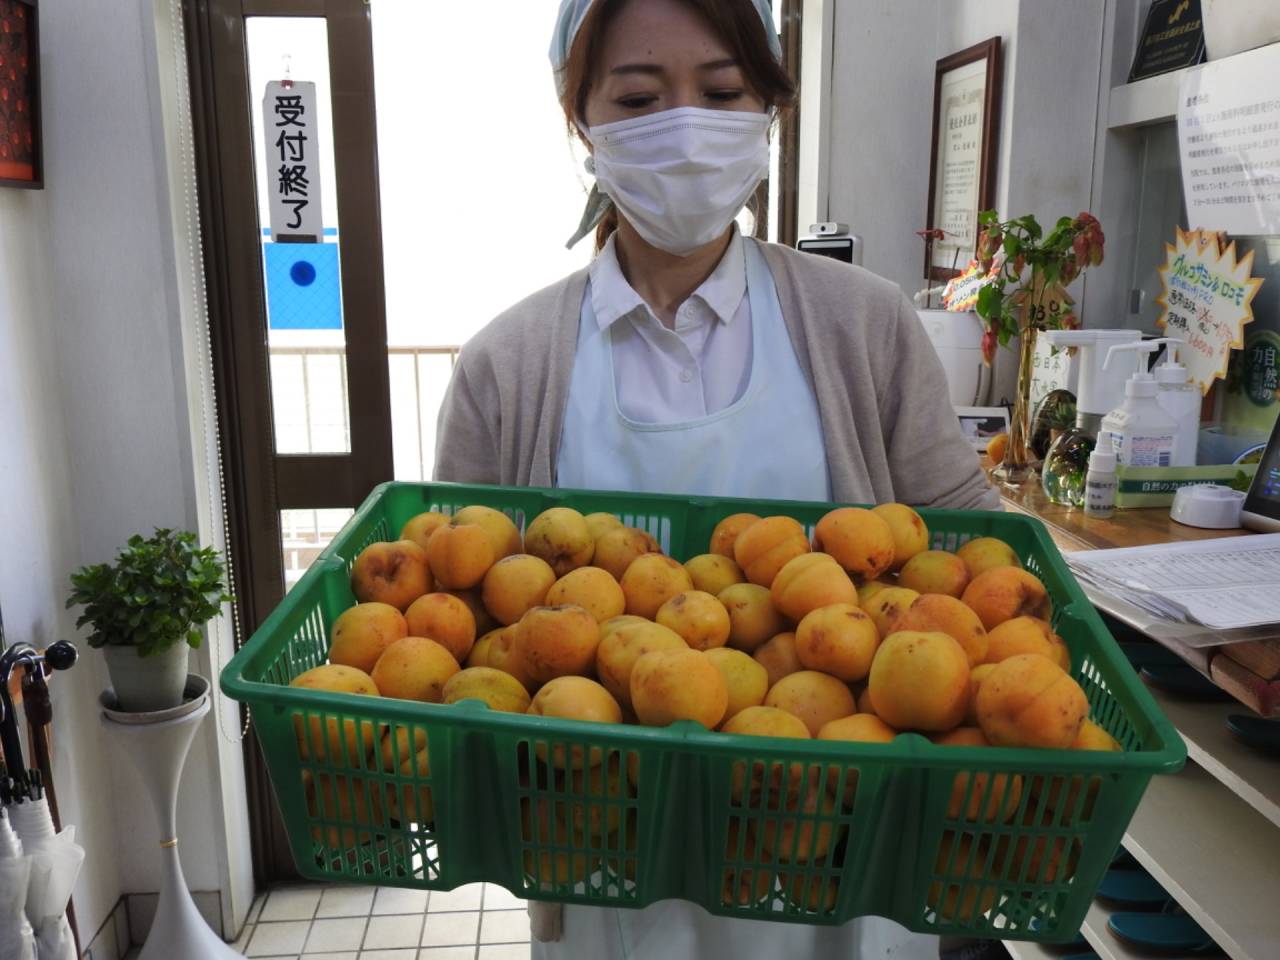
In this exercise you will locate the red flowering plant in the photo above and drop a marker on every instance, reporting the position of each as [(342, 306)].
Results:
[(1038, 268)]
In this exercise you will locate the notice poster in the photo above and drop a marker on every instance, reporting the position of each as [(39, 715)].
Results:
[(959, 163), (1229, 141), (293, 161), (1206, 302)]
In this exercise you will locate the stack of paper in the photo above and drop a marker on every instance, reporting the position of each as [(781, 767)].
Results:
[(1224, 583)]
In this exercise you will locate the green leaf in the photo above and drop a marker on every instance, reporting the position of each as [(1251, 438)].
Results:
[(986, 217)]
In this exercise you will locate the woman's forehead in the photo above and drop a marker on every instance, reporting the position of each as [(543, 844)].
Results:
[(660, 32)]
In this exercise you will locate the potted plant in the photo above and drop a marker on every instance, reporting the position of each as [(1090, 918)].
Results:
[(1028, 294), (146, 610)]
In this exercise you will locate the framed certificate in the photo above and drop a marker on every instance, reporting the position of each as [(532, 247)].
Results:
[(966, 130)]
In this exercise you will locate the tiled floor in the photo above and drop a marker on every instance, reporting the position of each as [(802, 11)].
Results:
[(316, 922)]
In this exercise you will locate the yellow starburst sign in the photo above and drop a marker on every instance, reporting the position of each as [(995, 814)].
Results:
[(1206, 301)]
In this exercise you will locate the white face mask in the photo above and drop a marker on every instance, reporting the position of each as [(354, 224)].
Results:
[(681, 176)]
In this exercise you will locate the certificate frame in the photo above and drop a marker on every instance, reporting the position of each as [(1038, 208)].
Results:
[(22, 161), (977, 72), (980, 424)]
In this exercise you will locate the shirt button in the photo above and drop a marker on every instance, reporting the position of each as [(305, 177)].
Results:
[(686, 376)]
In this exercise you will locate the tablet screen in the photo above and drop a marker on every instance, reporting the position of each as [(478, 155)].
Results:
[(1264, 493)]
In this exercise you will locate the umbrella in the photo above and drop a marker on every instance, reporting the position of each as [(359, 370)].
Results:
[(17, 939), (55, 865)]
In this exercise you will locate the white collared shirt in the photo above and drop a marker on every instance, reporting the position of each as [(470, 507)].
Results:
[(697, 369)]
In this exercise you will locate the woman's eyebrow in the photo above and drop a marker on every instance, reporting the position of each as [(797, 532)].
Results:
[(653, 69)]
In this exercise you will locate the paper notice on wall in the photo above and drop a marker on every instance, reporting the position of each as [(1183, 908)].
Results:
[(1207, 299), (1229, 141)]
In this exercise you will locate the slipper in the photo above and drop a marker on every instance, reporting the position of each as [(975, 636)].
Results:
[(1257, 732), (1184, 681), (1161, 931), (1132, 888)]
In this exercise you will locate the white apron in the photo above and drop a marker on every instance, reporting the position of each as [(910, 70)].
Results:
[(766, 445)]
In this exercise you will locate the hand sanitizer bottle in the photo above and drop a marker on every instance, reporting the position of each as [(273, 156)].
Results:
[(1141, 432), (1100, 484), (1180, 398)]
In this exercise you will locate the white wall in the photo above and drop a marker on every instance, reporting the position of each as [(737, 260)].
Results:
[(882, 71), (96, 436)]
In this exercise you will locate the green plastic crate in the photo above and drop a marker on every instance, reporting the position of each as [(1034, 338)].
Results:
[(1025, 865)]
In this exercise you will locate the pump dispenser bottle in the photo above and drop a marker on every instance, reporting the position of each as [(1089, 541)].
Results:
[(1141, 431), (1066, 465), (1181, 399)]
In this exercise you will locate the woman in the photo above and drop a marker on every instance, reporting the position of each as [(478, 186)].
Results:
[(688, 359)]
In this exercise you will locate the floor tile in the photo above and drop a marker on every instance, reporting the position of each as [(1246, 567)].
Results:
[(463, 898), (346, 902), (278, 939), (340, 955), (256, 909), (345, 933), (500, 898), (399, 954), (291, 903), (396, 900), (506, 951), (385, 933), (504, 926), (447, 953), (243, 940), (450, 929)]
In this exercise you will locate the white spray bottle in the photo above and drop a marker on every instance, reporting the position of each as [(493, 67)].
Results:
[(1140, 430)]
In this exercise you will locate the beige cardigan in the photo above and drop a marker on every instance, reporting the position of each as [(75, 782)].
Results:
[(890, 431)]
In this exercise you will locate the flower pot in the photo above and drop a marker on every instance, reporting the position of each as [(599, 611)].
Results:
[(145, 684)]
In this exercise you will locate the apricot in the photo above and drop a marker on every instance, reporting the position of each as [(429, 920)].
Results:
[(864, 702), (574, 698), (698, 617), (617, 549), (935, 571), (869, 589), (838, 639), (397, 756), (858, 728), (479, 655), (1005, 792), (504, 655), (747, 884), (621, 647), (605, 786), (746, 680), (460, 555), (613, 623), (910, 532), (515, 584), (561, 537), (414, 668), (445, 619), (598, 524), (591, 588), (420, 528), (814, 697), (965, 871), (976, 676), (1030, 701), (937, 612), (712, 572), (985, 553), (1002, 593), (920, 681), (887, 605), (346, 799), (652, 580), (753, 619), (545, 828), (1093, 737), (764, 722), (671, 685), (557, 642), (860, 541), (805, 829), (779, 657), (764, 547), (499, 690), (503, 532), (1027, 635), (339, 744), (726, 533), (1036, 860), (823, 892), (485, 621), (362, 632), (395, 573), (810, 581)]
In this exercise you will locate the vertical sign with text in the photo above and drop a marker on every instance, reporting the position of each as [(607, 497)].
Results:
[(293, 161)]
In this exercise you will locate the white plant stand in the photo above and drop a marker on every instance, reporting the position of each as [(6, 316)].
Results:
[(157, 743)]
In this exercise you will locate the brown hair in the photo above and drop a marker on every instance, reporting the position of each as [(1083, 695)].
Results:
[(739, 27)]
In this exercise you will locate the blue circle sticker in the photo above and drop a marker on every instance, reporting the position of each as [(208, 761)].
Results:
[(303, 273)]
